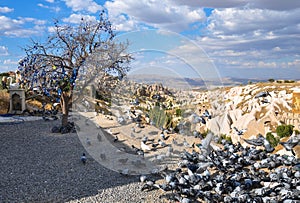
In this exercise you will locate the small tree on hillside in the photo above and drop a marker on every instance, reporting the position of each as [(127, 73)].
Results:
[(273, 140), (284, 130), (88, 48), (271, 80)]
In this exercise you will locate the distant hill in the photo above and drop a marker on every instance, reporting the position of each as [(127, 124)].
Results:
[(190, 83)]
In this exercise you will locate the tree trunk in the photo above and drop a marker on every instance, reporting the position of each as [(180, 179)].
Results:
[(64, 102)]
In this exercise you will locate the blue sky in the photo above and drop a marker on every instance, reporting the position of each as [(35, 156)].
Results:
[(238, 38)]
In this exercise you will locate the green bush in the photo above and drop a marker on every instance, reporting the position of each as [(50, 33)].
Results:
[(224, 137), (289, 81), (205, 133), (178, 112), (273, 140), (271, 80), (284, 130), (158, 116), (4, 74), (168, 121)]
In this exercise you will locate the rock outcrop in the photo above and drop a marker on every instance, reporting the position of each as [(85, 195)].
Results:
[(240, 107)]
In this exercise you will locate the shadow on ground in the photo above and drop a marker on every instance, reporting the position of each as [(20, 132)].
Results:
[(37, 166)]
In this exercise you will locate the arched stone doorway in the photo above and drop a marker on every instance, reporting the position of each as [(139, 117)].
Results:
[(17, 101)]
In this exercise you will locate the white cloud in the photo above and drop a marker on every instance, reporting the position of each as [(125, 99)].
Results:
[(33, 20), (275, 4), (76, 18), (10, 62), (267, 64), (51, 29), (23, 32), (276, 49), (239, 34), (211, 3), (190, 51), (6, 9), (260, 4), (123, 23), (87, 5), (252, 38), (3, 51), (15, 27), (8, 24), (163, 14), (55, 9), (231, 21), (294, 63)]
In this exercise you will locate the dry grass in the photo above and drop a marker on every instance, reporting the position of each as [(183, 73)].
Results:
[(35, 103), (278, 86), (4, 101), (297, 151)]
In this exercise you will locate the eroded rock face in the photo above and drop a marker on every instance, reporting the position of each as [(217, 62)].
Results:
[(142, 91), (241, 108), (149, 90), (238, 107)]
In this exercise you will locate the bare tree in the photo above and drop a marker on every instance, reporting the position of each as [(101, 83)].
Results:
[(89, 47)]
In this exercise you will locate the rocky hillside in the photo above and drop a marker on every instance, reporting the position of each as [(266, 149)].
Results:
[(254, 109), (257, 108)]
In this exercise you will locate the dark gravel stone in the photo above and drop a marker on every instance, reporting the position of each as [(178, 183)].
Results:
[(55, 129), (40, 166)]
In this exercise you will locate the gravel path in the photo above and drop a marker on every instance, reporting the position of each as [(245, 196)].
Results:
[(38, 166)]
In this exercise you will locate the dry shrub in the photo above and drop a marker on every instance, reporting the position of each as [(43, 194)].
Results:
[(35, 103), (4, 101)]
